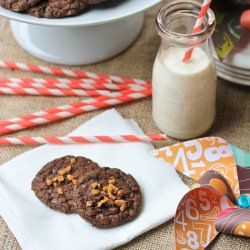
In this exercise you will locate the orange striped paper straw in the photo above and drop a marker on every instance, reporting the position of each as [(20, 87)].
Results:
[(68, 73), (67, 84), (198, 26), (72, 109), (81, 139)]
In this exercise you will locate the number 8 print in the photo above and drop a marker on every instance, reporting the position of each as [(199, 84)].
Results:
[(215, 153), (192, 240)]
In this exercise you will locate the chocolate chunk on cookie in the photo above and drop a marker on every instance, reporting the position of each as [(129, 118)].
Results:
[(57, 9), (55, 182), (107, 197), (18, 5)]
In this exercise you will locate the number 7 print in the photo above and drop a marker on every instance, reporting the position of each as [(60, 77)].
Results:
[(205, 232)]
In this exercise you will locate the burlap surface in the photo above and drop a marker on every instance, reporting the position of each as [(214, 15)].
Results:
[(232, 122)]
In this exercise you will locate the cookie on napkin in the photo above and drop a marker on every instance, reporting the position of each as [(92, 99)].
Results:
[(107, 197), (54, 183)]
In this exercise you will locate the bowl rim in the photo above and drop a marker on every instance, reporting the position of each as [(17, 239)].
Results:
[(101, 15)]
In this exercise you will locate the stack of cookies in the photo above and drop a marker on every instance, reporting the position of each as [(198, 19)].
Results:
[(105, 197), (48, 8)]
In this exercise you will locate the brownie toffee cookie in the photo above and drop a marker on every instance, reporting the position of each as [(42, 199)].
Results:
[(57, 8), (54, 183), (107, 197), (18, 5)]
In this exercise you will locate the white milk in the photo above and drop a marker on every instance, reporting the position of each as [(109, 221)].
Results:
[(183, 93)]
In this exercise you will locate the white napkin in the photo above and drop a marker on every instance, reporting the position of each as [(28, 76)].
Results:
[(38, 227)]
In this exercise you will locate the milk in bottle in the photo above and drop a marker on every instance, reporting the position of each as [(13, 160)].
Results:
[(184, 93)]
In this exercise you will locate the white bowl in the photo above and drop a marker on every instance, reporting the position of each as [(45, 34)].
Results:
[(96, 35)]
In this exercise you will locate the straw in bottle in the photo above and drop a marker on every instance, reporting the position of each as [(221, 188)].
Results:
[(198, 26)]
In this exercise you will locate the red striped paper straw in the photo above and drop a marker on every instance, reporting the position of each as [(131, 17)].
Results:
[(82, 139), (85, 86), (53, 92), (54, 80), (63, 112), (198, 25), (67, 72)]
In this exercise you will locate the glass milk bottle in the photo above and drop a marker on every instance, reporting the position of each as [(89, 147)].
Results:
[(184, 93)]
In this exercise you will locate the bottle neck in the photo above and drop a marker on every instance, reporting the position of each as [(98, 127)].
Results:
[(175, 22)]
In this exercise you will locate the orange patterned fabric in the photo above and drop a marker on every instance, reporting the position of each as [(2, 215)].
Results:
[(195, 217), (243, 229), (193, 158), (212, 207)]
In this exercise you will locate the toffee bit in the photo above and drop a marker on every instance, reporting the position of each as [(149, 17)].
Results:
[(68, 169), (94, 185), (74, 181), (112, 181), (89, 203), (60, 191), (120, 193), (95, 192), (121, 204), (49, 182), (60, 178), (103, 201), (70, 177), (73, 160), (61, 172), (123, 207), (55, 179)]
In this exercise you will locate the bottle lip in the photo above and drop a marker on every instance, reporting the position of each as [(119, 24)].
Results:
[(180, 38)]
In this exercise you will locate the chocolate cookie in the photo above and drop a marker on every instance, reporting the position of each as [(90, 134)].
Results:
[(107, 197), (55, 182), (57, 8), (18, 5)]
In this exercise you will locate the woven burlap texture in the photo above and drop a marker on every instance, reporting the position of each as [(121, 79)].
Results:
[(232, 121)]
